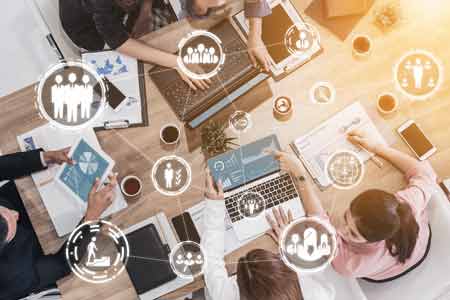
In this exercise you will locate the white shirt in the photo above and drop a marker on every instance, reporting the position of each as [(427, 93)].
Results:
[(222, 287)]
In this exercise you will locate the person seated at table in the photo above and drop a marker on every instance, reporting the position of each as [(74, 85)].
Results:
[(24, 268), (255, 10), (261, 274), (91, 24), (383, 236)]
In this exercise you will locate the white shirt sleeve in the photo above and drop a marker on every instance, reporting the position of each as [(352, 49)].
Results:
[(44, 164), (218, 284)]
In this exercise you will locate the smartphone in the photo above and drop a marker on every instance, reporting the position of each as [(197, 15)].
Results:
[(185, 228), (416, 140)]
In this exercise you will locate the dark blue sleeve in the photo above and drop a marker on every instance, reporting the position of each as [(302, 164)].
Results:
[(20, 164)]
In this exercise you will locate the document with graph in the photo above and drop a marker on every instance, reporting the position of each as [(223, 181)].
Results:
[(315, 147), (91, 163)]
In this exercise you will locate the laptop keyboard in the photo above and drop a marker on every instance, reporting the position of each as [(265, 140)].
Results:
[(275, 191)]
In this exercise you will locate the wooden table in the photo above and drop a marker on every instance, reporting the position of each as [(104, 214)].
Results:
[(135, 150)]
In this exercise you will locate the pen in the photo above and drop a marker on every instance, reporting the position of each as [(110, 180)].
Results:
[(373, 157)]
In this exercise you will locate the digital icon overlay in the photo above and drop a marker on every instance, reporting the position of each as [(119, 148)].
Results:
[(71, 95), (251, 204), (240, 121), (200, 55), (299, 38), (322, 92), (345, 169), (418, 74), (308, 244), (97, 252), (187, 259), (171, 175)]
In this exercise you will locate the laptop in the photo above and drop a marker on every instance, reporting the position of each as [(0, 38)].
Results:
[(250, 169), (237, 77)]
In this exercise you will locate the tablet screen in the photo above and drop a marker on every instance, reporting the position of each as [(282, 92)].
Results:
[(274, 27)]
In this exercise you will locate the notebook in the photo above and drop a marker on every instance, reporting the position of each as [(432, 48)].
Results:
[(315, 147), (237, 77), (148, 265)]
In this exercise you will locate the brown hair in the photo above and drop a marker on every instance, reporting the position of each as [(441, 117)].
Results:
[(262, 275), (380, 216)]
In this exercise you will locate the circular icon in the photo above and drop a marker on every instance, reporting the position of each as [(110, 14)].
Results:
[(240, 121), (97, 252), (187, 259), (344, 169), (322, 93), (200, 55), (308, 245), (171, 175), (300, 37), (71, 95), (251, 204), (418, 74)]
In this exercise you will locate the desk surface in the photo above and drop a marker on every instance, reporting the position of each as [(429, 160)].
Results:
[(135, 150)]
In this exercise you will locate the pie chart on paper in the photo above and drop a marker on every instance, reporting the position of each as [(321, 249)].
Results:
[(87, 163)]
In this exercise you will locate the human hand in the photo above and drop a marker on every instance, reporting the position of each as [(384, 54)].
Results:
[(212, 192), (200, 7), (100, 200), (193, 83), (361, 139), (58, 157), (257, 52), (280, 221), (288, 162)]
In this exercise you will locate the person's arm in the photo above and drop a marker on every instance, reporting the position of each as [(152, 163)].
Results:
[(311, 202), (400, 160), (114, 34), (16, 165), (255, 10), (219, 285), (420, 176)]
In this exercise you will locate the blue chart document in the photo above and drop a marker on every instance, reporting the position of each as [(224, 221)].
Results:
[(90, 164), (247, 163)]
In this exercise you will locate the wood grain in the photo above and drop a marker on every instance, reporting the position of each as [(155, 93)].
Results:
[(135, 150)]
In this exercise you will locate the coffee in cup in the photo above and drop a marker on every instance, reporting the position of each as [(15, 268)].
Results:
[(362, 45), (283, 108), (131, 187), (387, 103), (170, 134)]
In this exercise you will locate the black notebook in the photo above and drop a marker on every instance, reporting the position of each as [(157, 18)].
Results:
[(148, 265)]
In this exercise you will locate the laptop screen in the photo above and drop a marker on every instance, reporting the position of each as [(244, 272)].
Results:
[(247, 163)]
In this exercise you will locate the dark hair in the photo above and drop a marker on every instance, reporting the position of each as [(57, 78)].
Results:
[(3, 231), (262, 275), (380, 216)]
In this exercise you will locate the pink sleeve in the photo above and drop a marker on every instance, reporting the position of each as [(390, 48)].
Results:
[(346, 262), (421, 186)]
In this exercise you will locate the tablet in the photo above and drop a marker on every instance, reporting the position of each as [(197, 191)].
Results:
[(275, 27)]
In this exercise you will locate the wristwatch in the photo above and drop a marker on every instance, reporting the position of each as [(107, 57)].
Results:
[(301, 178)]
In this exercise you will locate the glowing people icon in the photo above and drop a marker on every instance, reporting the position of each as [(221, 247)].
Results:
[(66, 96), (418, 74), (310, 249), (308, 244)]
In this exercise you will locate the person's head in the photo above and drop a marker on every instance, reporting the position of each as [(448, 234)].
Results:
[(72, 77), (58, 79), (263, 275), (8, 225), (375, 216), (85, 79)]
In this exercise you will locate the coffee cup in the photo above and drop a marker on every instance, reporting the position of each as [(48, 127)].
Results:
[(169, 135), (361, 45), (387, 103), (283, 108), (131, 187)]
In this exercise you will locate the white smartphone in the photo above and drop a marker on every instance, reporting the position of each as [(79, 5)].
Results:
[(416, 140)]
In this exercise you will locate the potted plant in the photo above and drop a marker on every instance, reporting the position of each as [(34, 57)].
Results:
[(387, 15), (215, 140)]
